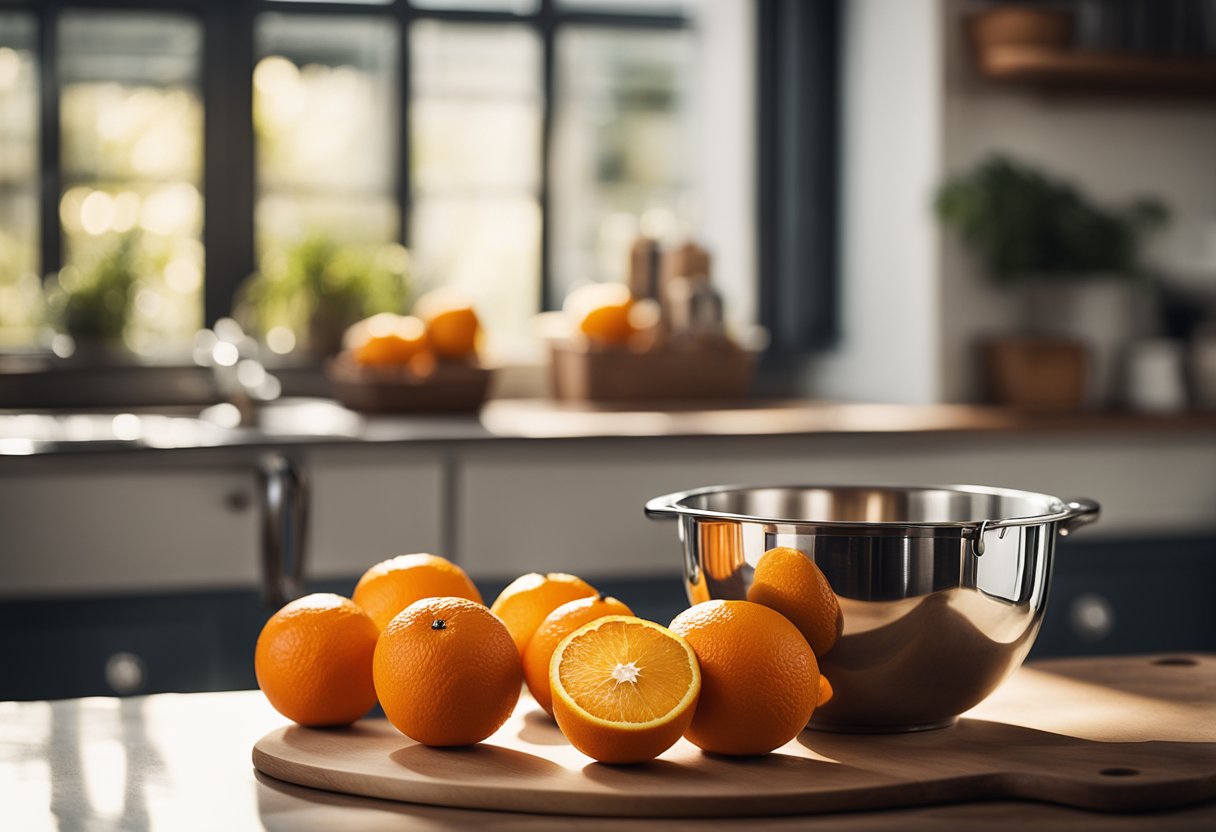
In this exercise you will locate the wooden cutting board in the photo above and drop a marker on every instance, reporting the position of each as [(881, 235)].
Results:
[(1120, 734)]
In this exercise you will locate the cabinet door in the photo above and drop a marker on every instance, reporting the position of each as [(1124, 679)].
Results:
[(579, 508), (99, 526), (368, 505), (106, 525)]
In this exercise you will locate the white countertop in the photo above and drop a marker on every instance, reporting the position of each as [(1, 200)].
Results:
[(182, 762)]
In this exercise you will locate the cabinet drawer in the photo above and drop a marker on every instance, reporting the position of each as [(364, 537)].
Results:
[(99, 529), (366, 508)]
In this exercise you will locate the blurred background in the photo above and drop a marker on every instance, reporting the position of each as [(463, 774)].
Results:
[(698, 241)]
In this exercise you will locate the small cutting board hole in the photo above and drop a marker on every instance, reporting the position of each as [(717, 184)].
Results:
[(1119, 772), (1176, 661)]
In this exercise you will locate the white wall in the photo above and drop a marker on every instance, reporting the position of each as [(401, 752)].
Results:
[(915, 110), (890, 160), (726, 82), (1115, 148)]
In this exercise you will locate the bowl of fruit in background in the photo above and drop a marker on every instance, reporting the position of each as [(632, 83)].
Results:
[(426, 362), (918, 601), (663, 336)]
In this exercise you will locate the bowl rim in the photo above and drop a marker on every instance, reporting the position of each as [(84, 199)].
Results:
[(671, 505)]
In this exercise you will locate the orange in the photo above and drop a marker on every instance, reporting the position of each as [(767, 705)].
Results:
[(557, 625), (528, 599), (722, 561), (790, 582), (392, 585), (602, 312), (760, 680), (389, 341), (422, 365), (624, 689), (452, 325), (314, 660), (447, 672), (825, 691)]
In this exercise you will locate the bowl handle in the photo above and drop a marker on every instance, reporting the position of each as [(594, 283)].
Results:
[(1081, 512), (662, 508)]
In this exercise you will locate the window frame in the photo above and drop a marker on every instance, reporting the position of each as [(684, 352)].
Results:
[(229, 183), (798, 180)]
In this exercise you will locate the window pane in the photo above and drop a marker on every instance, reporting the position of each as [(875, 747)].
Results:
[(517, 6), (622, 160), (131, 128), (665, 7), (325, 98), (21, 307), (475, 148), (344, 2)]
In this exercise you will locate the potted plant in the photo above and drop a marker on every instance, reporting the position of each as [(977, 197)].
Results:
[(318, 288), (1043, 240), (94, 306)]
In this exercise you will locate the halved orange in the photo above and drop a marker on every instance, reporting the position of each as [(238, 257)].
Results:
[(624, 689), (560, 623)]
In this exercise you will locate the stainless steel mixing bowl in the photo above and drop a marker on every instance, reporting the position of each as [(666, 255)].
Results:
[(941, 588)]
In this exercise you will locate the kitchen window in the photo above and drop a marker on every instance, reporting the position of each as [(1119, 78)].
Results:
[(130, 169), (21, 300), (197, 143)]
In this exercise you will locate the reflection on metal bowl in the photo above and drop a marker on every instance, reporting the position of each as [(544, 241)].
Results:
[(941, 588)]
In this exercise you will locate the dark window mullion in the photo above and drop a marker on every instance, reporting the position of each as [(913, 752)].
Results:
[(405, 77), (50, 234), (797, 96), (323, 9), (229, 178), (548, 34)]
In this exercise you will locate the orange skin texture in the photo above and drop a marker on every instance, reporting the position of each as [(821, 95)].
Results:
[(388, 351), (619, 746), (790, 583), (452, 333), (528, 600), (557, 625), (608, 325), (451, 684), (825, 691), (759, 677), (392, 585), (313, 660)]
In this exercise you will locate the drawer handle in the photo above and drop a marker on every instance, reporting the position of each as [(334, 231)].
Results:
[(1092, 617), (125, 673), (284, 528)]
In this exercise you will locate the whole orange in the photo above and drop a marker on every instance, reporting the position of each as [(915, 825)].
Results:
[(601, 312), (389, 341), (528, 599), (557, 625), (452, 325), (789, 582), (759, 677), (314, 660), (447, 672), (392, 585)]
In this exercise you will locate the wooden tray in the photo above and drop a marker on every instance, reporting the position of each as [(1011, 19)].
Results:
[(619, 375), (453, 387), (1124, 734)]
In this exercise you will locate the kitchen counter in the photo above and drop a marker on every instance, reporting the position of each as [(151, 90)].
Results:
[(321, 421), (182, 761)]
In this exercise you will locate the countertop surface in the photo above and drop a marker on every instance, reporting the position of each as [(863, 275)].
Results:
[(182, 761), (313, 421)]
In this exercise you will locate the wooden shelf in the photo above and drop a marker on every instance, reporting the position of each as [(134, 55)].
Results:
[(1111, 71)]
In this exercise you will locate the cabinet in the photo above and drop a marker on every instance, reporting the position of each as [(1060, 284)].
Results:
[(166, 595)]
